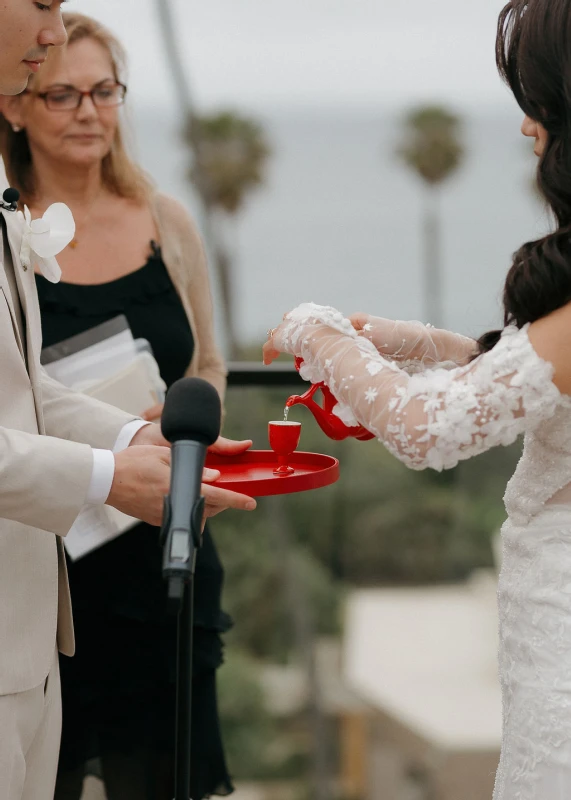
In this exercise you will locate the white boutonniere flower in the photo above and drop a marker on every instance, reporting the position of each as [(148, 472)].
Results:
[(45, 238)]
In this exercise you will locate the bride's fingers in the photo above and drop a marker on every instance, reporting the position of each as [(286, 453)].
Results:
[(269, 352), (358, 321)]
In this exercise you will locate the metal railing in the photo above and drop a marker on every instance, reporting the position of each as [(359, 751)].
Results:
[(252, 373)]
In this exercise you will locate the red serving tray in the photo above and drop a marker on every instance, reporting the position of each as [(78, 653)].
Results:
[(251, 473)]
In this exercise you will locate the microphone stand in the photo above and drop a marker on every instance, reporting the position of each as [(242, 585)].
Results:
[(181, 536)]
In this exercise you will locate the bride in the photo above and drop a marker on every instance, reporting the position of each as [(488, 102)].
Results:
[(434, 398)]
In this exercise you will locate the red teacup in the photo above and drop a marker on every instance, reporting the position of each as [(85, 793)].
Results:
[(284, 439)]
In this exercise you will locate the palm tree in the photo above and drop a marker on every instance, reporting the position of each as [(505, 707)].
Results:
[(172, 53), (434, 150), (230, 156)]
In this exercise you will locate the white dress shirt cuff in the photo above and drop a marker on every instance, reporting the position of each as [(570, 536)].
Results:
[(127, 434), (101, 477), (104, 464)]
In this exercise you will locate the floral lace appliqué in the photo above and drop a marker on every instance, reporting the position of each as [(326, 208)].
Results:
[(433, 418)]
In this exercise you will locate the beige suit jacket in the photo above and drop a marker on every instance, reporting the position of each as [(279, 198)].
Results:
[(46, 436)]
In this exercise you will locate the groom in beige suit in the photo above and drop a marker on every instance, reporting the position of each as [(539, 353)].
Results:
[(58, 451)]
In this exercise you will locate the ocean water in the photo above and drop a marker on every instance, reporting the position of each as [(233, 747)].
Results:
[(339, 219)]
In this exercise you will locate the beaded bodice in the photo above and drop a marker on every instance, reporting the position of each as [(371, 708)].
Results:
[(544, 469)]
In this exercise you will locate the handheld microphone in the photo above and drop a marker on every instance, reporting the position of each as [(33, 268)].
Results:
[(191, 423), (10, 199)]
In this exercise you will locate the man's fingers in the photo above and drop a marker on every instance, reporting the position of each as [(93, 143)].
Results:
[(149, 436), (229, 447), (223, 498), (210, 475), (153, 413)]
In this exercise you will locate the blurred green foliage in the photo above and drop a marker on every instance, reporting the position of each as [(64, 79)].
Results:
[(255, 593), (258, 745)]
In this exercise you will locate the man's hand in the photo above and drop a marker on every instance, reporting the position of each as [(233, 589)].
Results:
[(141, 481), (154, 413), (149, 436), (218, 500), (229, 447)]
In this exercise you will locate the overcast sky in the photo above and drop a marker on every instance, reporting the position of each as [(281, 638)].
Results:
[(264, 53)]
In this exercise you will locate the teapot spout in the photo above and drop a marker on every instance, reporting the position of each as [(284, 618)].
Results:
[(329, 424), (304, 399), (294, 400)]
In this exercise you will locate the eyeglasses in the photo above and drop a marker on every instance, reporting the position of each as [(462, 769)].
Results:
[(68, 98)]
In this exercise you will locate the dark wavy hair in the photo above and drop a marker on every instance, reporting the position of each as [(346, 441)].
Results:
[(533, 53)]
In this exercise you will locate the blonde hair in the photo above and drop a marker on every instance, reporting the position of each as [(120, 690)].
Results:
[(120, 174)]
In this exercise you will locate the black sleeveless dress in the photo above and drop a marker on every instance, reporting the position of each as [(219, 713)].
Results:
[(118, 692)]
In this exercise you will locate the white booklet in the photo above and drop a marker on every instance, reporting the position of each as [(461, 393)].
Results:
[(133, 388), (108, 364), (94, 527), (91, 355)]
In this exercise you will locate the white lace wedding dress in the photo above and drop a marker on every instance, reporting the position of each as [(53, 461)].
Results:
[(401, 381)]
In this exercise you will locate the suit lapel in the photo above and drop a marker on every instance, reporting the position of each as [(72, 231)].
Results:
[(7, 288), (11, 228), (27, 296), (27, 292)]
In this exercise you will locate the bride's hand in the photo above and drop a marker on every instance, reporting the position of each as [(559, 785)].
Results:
[(300, 323), (393, 339), (414, 341), (269, 353), (269, 350), (361, 322)]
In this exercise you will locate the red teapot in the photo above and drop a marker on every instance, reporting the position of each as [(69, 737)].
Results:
[(329, 423)]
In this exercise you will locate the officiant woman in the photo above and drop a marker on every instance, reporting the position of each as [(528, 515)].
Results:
[(137, 253)]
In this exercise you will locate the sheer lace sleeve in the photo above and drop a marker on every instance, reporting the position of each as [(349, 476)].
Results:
[(434, 418), (415, 346)]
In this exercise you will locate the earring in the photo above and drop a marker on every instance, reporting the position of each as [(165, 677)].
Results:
[(16, 128)]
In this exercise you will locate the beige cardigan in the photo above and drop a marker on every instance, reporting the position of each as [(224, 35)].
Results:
[(185, 260)]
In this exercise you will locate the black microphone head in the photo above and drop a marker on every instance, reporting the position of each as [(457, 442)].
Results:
[(192, 412), (11, 196)]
